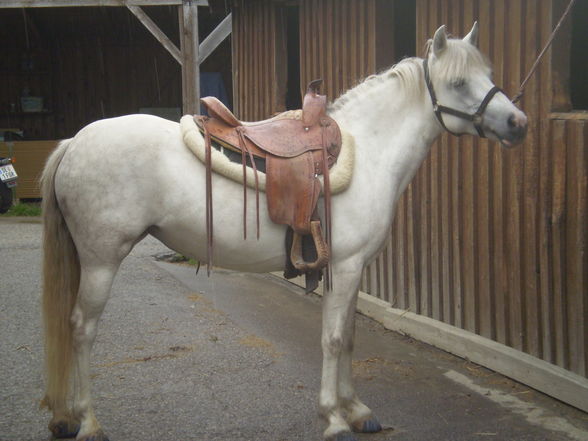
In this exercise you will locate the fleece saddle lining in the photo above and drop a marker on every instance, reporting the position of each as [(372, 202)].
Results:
[(340, 174)]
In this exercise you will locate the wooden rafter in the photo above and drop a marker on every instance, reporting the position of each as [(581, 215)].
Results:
[(78, 3), (216, 37), (156, 32), (191, 54)]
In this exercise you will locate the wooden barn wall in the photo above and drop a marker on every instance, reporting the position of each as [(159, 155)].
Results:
[(337, 40), (493, 240), (337, 44), (255, 41), (87, 63)]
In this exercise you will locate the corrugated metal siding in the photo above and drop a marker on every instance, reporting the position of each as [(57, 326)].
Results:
[(492, 240), (337, 40), (489, 240), (254, 59)]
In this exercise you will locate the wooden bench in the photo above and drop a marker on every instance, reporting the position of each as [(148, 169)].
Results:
[(297, 150)]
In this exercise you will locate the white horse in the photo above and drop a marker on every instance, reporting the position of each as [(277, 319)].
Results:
[(121, 179)]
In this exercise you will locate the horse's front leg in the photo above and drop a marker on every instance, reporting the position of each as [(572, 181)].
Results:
[(358, 415), (338, 402)]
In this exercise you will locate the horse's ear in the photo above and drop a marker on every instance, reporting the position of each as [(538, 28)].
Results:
[(439, 41), (472, 37)]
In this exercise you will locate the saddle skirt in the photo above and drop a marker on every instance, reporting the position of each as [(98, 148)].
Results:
[(296, 150)]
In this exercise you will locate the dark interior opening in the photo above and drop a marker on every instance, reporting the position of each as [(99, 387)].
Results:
[(404, 29), (579, 57), (395, 32), (293, 98)]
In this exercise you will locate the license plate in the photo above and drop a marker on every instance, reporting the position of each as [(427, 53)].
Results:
[(7, 173)]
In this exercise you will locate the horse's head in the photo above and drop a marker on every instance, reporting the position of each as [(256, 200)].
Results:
[(464, 98)]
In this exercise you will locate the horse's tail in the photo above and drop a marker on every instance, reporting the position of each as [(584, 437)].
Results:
[(61, 279)]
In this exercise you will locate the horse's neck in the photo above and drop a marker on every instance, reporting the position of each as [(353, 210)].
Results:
[(393, 132)]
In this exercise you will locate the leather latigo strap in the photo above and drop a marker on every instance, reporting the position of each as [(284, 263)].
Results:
[(245, 149), (327, 191), (209, 219)]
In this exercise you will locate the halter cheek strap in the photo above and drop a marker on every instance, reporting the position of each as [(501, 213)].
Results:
[(476, 118)]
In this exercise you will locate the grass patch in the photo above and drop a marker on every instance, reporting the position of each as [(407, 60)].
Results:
[(24, 209)]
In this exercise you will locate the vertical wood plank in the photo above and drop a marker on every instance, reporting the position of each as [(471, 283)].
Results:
[(469, 184), (499, 221), (560, 304), (530, 269), (575, 260), (546, 243), (513, 168)]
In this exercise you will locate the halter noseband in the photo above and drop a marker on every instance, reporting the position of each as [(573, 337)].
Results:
[(476, 118)]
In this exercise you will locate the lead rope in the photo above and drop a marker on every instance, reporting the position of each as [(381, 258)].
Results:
[(519, 95)]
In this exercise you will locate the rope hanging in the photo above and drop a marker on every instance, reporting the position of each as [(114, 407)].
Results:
[(519, 95)]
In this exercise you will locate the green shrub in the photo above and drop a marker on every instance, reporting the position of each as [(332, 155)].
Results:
[(24, 209)]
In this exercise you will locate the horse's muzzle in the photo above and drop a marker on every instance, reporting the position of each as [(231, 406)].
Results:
[(517, 129)]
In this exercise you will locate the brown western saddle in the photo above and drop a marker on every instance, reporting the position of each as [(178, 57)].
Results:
[(297, 148)]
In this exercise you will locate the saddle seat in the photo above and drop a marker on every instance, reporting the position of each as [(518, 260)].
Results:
[(297, 148), (286, 135)]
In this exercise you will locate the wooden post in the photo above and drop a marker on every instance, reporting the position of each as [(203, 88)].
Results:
[(188, 17)]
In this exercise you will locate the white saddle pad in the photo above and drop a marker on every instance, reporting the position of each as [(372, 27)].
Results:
[(340, 174)]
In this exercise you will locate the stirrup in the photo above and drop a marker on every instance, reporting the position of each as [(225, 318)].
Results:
[(322, 250)]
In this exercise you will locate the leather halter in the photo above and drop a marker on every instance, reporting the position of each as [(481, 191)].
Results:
[(476, 118)]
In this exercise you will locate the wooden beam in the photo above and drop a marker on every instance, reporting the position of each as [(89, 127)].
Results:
[(77, 3), (188, 13), (216, 37), (156, 32)]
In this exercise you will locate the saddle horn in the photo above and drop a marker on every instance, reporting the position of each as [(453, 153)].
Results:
[(314, 86)]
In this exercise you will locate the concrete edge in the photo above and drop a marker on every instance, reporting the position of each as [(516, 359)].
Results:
[(524, 368)]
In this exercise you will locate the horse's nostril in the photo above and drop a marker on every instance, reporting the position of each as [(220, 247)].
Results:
[(512, 121)]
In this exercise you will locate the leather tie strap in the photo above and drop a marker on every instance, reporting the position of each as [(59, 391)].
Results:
[(244, 148), (244, 165), (327, 197), (208, 199)]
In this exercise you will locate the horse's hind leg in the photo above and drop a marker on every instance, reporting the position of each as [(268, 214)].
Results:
[(95, 284)]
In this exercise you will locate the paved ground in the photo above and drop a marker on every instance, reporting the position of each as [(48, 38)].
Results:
[(237, 357)]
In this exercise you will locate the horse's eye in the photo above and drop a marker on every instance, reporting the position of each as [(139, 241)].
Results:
[(458, 83)]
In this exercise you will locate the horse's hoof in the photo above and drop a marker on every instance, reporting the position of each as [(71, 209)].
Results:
[(368, 426), (344, 436), (64, 429), (98, 436)]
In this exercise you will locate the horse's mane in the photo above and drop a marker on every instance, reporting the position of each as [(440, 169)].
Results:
[(459, 61), (407, 72)]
